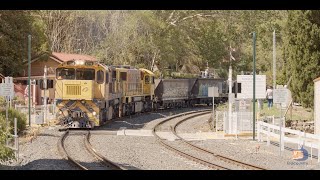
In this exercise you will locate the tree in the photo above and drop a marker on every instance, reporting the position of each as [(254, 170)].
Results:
[(15, 26), (302, 53)]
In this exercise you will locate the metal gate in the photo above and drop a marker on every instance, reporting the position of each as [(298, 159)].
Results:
[(240, 122), (37, 113)]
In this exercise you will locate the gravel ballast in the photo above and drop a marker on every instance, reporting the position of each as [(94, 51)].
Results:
[(144, 152), (42, 153)]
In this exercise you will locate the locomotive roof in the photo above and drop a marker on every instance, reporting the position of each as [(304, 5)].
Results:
[(123, 66), (148, 71)]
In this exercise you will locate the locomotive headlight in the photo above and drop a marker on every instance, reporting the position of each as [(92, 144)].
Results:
[(94, 113), (79, 62)]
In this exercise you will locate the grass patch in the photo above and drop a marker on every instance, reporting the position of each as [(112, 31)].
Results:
[(298, 112)]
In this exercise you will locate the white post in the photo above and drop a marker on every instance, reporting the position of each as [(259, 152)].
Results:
[(299, 139), (15, 137), (318, 149), (304, 138), (237, 116), (282, 144), (311, 153), (280, 133), (7, 120), (230, 93), (213, 120), (274, 59), (268, 136), (34, 93), (258, 131), (273, 119), (216, 122), (45, 96)]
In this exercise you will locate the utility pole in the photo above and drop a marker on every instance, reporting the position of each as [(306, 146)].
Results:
[(29, 74), (254, 84), (274, 59)]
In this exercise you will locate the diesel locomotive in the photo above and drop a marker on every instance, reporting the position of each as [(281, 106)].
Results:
[(89, 93)]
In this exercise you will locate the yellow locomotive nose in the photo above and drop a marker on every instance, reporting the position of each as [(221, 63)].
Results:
[(77, 89)]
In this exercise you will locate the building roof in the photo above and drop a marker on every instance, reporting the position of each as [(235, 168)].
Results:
[(2, 76), (67, 57), (63, 57)]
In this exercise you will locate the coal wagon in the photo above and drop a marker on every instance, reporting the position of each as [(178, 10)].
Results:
[(171, 93)]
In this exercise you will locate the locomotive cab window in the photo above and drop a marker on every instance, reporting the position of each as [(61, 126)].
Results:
[(123, 76), (152, 79), (114, 75), (107, 77), (147, 80), (85, 74), (65, 73), (100, 76)]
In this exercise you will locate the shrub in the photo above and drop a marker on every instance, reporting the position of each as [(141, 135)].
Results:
[(21, 119), (5, 153), (2, 102)]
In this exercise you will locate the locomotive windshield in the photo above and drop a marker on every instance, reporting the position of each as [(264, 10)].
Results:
[(78, 74), (65, 73), (85, 74)]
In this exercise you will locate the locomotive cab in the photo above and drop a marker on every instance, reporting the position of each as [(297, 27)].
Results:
[(79, 83)]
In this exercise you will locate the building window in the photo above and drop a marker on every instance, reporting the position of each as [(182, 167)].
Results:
[(100, 76)]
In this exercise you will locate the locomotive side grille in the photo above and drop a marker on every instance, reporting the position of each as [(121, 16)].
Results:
[(74, 90)]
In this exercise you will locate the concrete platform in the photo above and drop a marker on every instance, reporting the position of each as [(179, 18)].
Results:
[(170, 137)]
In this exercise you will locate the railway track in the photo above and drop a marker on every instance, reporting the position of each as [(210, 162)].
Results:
[(220, 157), (176, 150), (211, 164), (102, 164)]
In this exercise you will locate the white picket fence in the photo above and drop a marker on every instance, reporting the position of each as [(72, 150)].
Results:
[(306, 139)]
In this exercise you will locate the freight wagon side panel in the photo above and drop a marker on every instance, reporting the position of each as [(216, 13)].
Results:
[(200, 88), (173, 89)]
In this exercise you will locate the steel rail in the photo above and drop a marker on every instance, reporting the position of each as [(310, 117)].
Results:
[(65, 154), (101, 158), (188, 156), (221, 157)]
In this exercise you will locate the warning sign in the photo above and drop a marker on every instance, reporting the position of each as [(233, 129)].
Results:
[(280, 96), (7, 88)]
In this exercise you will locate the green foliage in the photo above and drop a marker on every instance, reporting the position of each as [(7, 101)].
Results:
[(5, 153), (171, 39), (302, 53), (15, 26), (2, 102), (21, 119)]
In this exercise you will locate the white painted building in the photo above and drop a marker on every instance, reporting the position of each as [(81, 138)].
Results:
[(317, 106)]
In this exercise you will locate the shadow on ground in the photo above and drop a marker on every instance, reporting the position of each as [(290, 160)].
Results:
[(58, 164), (138, 121)]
